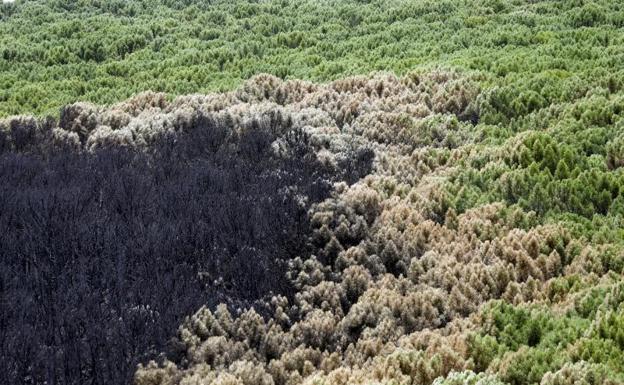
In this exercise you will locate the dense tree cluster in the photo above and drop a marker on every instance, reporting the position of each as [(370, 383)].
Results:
[(535, 53), (563, 163), (385, 275), (332, 215), (105, 247), (400, 284)]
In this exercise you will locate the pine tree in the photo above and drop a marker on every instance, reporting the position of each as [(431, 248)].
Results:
[(562, 172), (550, 159)]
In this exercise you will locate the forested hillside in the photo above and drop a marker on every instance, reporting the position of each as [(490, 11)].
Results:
[(312, 192), (55, 52)]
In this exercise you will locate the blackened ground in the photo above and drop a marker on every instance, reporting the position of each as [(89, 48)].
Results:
[(103, 254)]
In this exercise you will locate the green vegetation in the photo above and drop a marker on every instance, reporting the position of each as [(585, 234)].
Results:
[(523, 343), (484, 247), (532, 53), (562, 162)]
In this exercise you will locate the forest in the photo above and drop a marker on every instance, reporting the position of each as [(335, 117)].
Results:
[(314, 192)]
